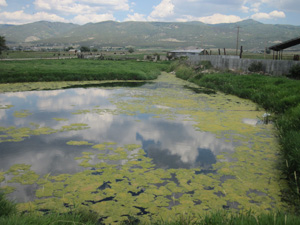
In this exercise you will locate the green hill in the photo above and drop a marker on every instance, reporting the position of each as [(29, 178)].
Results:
[(253, 35), (34, 31)]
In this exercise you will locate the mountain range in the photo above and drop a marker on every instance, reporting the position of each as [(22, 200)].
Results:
[(167, 35)]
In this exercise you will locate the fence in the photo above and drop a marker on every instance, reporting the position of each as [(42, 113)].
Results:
[(226, 62)]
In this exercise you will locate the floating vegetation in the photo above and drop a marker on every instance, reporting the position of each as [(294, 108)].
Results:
[(75, 126), (79, 143), (60, 119), (2, 178), (22, 113), (6, 106), (122, 179), (14, 134), (136, 186)]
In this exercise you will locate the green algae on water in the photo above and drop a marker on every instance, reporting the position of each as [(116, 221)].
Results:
[(22, 114), (121, 180), (79, 143), (60, 119)]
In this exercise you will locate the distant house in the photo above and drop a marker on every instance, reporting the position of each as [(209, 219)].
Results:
[(72, 51), (186, 53)]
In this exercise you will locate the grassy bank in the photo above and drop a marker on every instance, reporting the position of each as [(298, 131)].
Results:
[(279, 96), (9, 215), (77, 70)]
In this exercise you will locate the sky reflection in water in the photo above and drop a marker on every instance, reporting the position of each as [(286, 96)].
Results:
[(170, 144)]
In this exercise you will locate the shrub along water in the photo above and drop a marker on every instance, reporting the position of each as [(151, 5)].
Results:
[(279, 96), (78, 70)]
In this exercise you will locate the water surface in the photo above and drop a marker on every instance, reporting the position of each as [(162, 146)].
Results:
[(159, 148)]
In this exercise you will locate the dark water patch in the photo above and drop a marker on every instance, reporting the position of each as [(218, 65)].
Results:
[(95, 202), (158, 185), (45, 211), (200, 90), (110, 84), (136, 193), (104, 186), (172, 179), (197, 202), (231, 205), (97, 173), (190, 192), (174, 199), (227, 177), (205, 172), (158, 85), (209, 188), (142, 211), (219, 194), (256, 192)]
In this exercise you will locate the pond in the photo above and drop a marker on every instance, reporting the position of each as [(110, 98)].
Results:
[(162, 148)]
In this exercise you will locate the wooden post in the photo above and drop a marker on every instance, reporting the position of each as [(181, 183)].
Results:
[(219, 51), (241, 52), (237, 39), (224, 51)]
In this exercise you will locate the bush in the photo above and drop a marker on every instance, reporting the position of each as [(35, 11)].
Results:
[(184, 72), (256, 67), (6, 207), (295, 71), (206, 65)]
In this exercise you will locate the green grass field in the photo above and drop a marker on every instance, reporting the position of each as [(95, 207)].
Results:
[(77, 70)]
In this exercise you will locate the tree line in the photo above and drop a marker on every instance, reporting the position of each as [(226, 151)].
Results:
[(2, 44)]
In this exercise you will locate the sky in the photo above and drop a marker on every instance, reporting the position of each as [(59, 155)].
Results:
[(92, 11)]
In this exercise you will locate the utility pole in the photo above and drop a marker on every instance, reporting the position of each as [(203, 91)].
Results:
[(237, 39)]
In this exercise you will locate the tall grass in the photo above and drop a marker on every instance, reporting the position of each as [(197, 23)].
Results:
[(278, 95), (77, 70), (10, 216)]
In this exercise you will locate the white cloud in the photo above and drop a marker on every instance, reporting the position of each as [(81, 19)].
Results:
[(136, 17), (20, 17), (277, 14), (82, 6), (115, 4), (92, 18), (163, 10), (245, 9), (272, 15), (3, 3), (65, 6), (214, 19)]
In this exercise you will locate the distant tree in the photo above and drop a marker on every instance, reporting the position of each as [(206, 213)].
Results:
[(131, 50), (2, 44), (69, 48), (94, 50), (84, 49)]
